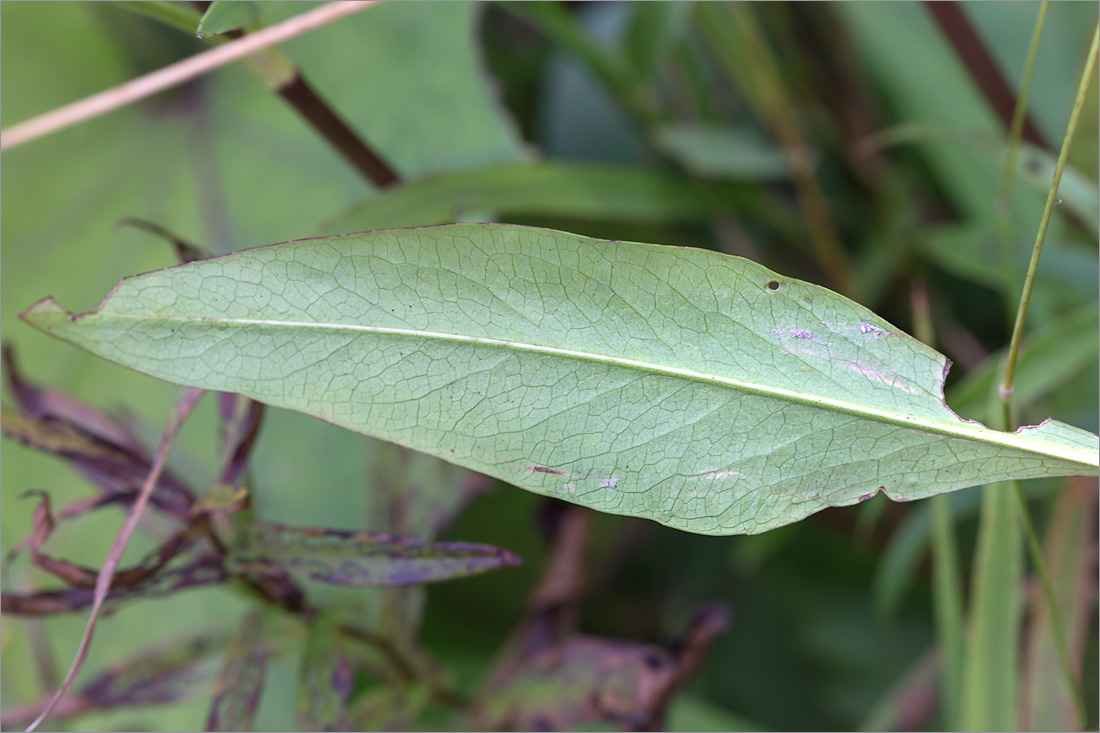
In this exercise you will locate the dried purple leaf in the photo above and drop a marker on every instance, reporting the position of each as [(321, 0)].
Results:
[(362, 558), (237, 690), (115, 468), (36, 403), (205, 571), (581, 681), (326, 680), (240, 425)]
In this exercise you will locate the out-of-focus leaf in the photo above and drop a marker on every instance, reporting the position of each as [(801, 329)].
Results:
[(432, 61), (157, 676), (115, 469), (722, 152), (700, 390), (393, 707), (1046, 704), (908, 704), (972, 252), (326, 678), (590, 106), (362, 558), (222, 17), (691, 712), (201, 572), (1005, 30), (165, 674), (1075, 190), (581, 681), (240, 426), (937, 92), (237, 690), (414, 494), (36, 403), (1034, 166), (948, 606), (653, 31), (175, 14), (897, 568), (554, 189), (1047, 357), (990, 692)]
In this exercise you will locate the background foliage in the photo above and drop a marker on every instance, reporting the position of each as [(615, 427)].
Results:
[(649, 122)]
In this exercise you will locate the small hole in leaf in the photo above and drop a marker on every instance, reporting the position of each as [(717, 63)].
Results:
[(773, 285)]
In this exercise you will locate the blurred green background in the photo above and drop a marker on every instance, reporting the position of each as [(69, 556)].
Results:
[(640, 121)]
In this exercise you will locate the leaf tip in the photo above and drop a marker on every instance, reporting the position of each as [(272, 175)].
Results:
[(44, 312)]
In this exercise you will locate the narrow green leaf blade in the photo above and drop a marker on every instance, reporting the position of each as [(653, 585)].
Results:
[(714, 151), (989, 696), (554, 189), (362, 558), (696, 389), (1048, 703)]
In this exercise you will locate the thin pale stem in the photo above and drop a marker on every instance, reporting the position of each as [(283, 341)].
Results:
[(175, 74), (114, 556)]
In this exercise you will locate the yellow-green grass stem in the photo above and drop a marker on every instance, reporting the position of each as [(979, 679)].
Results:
[(1033, 266), (1005, 389)]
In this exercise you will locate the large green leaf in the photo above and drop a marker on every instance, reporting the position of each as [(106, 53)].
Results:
[(697, 389)]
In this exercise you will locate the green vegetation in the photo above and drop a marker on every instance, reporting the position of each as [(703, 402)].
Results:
[(833, 178)]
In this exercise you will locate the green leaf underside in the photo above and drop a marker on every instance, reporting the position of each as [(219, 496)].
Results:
[(693, 388)]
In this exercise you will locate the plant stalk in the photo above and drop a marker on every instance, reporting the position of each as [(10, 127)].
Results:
[(1005, 388), (1029, 280)]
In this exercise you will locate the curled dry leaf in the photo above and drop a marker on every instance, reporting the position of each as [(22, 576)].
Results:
[(82, 577), (205, 571)]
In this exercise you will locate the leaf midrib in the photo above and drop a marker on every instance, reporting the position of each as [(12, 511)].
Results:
[(962, 430)]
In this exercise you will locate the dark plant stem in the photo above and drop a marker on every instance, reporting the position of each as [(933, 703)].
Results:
[(301, 96), (983, 68)]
